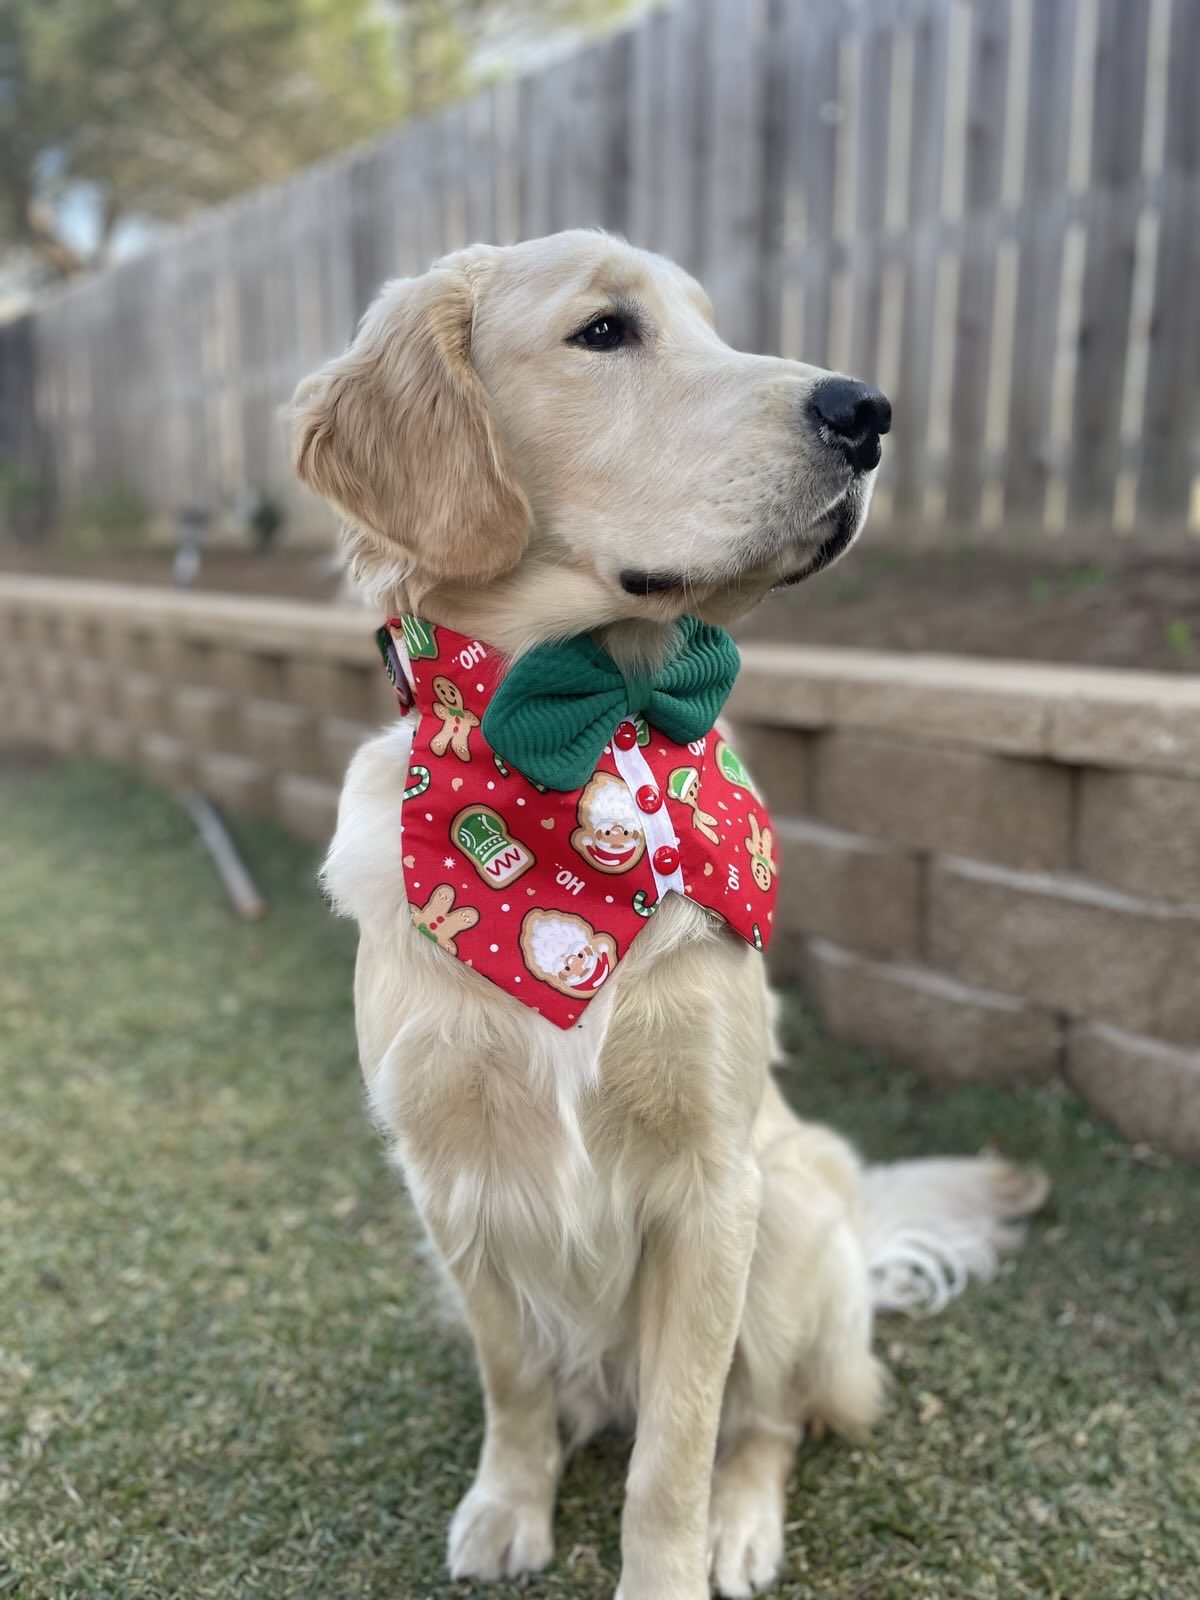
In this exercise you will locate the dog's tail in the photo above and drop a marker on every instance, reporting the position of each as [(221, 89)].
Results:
[(933, 1225)]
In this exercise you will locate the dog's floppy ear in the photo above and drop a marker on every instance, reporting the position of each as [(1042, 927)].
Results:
[(398, 433)]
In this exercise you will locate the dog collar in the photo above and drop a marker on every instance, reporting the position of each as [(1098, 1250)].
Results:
[(540, 890)]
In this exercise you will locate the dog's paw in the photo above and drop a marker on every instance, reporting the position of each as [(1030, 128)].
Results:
[(493, 1535), (745, 1540)]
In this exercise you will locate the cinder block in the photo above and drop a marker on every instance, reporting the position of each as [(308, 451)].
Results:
[(332, 688), (1149, 1090), (203, 717), (21, 718), (165, 760), (113, 740), (950, 1032), (983, 704), (238, 782), (780, 762), (338, 741), (250, 674), (308, 807), (1129, 719), (52, 673), (856, 892), (1067, 943), (140, 699), (130, 650), (993, 807), (1141, 832), (282, 736), (170, 657), (16, 626), (96, 687), (66, 728)]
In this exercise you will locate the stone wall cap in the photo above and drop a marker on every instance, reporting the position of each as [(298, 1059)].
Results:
[(1099, 716)]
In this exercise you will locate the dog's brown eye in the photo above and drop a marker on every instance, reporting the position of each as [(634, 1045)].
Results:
[(606, 333)]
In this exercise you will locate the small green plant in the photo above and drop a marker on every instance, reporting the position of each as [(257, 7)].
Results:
[(110, 517), (1072, 580), (1180, 639), (264, 521), (1076, 580)]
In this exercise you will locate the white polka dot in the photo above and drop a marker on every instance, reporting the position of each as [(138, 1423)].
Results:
[(736, 795), (429, 816), (570, 1016), (608, 900), (749, 907), (520, 801), (493, 948), (505, 906), (479, 686), (517, 979), (491, 785), (416, 885)]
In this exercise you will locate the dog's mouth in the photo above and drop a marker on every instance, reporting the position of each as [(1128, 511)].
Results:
[(847, 518), (828, 551), (637, 582)]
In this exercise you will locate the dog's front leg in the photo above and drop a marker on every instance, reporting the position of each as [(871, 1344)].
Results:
[(691, 1293), (504, 1525)]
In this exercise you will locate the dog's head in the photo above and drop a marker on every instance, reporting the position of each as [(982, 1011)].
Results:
[(551, 437)]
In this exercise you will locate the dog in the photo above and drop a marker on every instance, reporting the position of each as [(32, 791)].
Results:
[(533, 445)]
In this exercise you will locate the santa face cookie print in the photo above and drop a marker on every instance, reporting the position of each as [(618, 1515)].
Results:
[(566, 952), (609, 836)]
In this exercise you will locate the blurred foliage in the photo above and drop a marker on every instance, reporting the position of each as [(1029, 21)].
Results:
[(162, 106), (20, 497)]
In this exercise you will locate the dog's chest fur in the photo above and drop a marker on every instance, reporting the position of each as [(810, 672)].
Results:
[(540, 1153)]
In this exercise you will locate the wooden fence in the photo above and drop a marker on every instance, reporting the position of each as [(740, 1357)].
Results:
[(989, 207)]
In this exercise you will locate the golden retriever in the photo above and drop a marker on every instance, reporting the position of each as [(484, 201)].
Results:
[(532, 443)]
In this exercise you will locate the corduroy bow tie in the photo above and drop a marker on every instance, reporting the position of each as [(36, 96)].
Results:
[(555, 709)]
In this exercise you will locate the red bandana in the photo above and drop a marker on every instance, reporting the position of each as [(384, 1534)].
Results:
[(542, 891)]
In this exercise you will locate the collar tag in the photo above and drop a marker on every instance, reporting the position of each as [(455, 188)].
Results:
[(394, 666)]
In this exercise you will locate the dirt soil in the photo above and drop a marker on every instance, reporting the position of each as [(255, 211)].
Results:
[(1126, 608)]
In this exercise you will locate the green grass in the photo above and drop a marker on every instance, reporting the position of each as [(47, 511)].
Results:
[(222, 1369)]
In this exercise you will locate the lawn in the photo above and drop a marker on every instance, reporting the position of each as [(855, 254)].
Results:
[(224, 1371)]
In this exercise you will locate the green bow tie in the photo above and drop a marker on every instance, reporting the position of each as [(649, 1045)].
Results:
[(556, 708)]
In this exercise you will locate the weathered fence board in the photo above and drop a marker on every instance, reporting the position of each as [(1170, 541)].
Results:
[(990, 207)]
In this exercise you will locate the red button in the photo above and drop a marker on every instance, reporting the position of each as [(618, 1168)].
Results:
[(665, 860), (626, 735), (648, 798)]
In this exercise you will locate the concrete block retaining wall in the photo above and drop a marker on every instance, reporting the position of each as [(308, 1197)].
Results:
[(991, 871)]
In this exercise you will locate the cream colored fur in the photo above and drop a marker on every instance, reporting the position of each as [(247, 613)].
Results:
[(639, 1228)]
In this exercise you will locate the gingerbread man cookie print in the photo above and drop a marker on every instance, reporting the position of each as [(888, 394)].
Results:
[(761, 848), (457, 722), (438, 920), (684, 785)]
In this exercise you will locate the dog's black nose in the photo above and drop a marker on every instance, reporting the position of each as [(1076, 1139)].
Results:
[(851, 416)]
